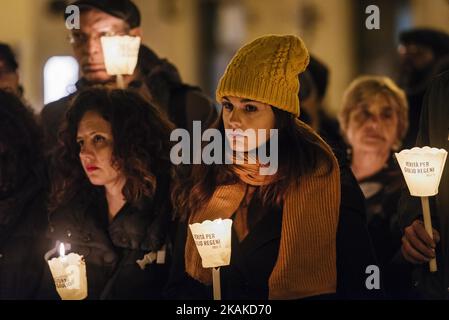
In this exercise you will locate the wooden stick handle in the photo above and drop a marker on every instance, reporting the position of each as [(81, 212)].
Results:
[(428, 227), (120, 82), (216, 283)]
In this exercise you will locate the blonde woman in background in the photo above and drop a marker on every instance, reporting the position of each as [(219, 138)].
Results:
[(374, 121)]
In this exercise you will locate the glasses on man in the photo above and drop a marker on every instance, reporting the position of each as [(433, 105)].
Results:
[(79, 39)]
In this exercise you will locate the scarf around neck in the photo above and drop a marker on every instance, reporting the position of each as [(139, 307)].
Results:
[(306, 262)]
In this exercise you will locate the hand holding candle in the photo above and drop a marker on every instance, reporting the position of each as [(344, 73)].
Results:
[(213, 241), (69, 274), (422, 169)]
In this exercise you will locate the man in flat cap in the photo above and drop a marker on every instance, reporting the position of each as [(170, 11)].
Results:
[(184, 104)]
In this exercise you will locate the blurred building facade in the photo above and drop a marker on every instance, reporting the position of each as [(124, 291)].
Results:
[(200, 36)]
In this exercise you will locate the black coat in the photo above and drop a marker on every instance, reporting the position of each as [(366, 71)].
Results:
[(23, 221), (253, 259), (111, 250), (382, 193)]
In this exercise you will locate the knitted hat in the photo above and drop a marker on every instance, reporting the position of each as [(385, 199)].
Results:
[(266, 70)]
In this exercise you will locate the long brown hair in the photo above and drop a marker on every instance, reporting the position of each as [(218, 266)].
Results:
[(300, 153), (141, 149)]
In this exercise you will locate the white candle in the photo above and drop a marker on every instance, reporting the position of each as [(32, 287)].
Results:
[(120, 56), (213, 241), (422, 169), (69, 274)]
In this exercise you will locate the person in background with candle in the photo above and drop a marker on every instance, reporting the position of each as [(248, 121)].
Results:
[(417, 246), (110, 196), (374, 121), (285, 243), (23, 192), (119, 17)]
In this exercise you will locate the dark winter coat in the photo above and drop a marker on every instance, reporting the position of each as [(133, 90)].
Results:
[(111, 250), (382, 193)]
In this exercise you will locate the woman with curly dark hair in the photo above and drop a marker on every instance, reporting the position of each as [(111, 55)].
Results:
[(110, 198), (22, 200)]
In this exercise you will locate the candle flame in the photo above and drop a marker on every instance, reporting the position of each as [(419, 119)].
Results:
[(62, 250)]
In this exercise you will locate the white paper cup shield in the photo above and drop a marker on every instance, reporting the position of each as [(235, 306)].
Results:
[(69, 276), (422, 169), (213, 241), (120, 54)]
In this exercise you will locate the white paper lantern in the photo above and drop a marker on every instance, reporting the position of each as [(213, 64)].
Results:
[(213, 240), (422, 169), (120, 54), (69, 275)]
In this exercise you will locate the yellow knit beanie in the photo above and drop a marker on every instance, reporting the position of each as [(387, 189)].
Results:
[(266, 70)]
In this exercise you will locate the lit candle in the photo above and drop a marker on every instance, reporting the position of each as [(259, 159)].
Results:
[(120, 56), (69, 275), (422, 169), (213, 241)]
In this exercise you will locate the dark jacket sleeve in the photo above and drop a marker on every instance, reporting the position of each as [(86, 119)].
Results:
[(354, 248), (180, 285)]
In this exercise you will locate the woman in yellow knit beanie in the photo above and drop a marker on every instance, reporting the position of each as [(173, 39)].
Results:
[(284, 223)]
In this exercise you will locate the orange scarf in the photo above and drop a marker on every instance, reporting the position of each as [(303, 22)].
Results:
[(306, 263)]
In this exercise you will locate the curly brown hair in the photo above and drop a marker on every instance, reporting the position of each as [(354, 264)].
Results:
[(141, 136)]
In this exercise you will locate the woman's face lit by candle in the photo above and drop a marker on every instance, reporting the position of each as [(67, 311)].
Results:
[(96, 143)]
